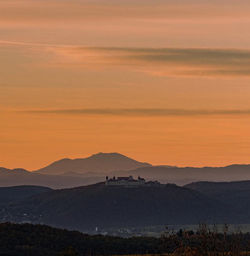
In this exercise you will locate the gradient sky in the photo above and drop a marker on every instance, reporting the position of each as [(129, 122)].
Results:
[(163, 81)]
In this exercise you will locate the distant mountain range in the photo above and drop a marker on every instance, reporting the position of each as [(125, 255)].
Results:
[(18, 177), (68, 173), (185, 175), (98, 163)]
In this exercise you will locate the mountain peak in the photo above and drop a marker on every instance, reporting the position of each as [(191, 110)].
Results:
[(17, 170), (101, 162), (112, 155)]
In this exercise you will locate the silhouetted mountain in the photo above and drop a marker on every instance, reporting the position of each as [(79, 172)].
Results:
[(185, 175), (18, 177), (68, 173), (6, 171), (98, 163), (10, 195), (85, 208)]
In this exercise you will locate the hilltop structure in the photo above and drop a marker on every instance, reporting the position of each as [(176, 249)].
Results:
[(129, 181)]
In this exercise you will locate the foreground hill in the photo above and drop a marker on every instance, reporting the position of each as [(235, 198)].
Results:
[(11, 195), (98, 163), (216, 188), (86, 208), (234, 194), (41, 240)]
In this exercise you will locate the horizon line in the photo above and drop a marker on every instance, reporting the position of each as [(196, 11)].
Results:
[(150, 165)]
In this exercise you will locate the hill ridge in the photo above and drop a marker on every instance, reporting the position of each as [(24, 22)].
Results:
[(97, 205), (100, 162)]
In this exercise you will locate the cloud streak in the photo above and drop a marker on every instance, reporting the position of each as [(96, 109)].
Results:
[(41, 11), (164, 61), (150, 112), (185, 62)]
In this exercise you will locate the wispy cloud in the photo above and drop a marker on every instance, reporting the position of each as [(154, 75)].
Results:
[(27, 44), (140, 112), (200, 62), (164, 61), (42, 11)]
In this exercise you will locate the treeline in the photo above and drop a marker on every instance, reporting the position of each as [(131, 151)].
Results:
[(206, 241), (27, 239)]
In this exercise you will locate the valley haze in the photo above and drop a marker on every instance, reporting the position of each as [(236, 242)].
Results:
[(101, 195), (66, 173)]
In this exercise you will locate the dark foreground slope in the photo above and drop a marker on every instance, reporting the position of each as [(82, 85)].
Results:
[(40, 240), (11, 195), (85, 208), (235, 194), (217, 188)]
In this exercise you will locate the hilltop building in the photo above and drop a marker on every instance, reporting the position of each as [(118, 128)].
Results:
[(129, 181)]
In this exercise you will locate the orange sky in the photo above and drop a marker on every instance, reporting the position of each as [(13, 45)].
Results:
[(161, 81)]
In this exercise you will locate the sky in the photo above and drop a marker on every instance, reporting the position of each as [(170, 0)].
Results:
[(162, 81)]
